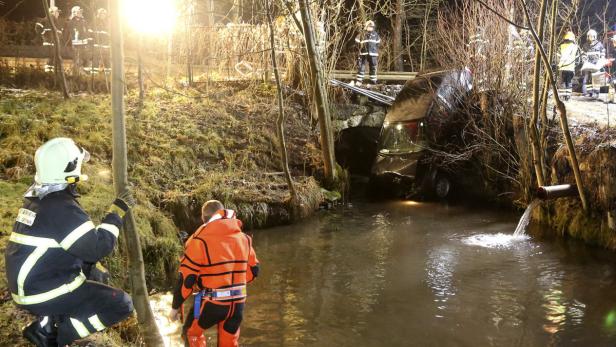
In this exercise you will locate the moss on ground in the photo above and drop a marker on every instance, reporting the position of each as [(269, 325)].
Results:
[(184, 148)]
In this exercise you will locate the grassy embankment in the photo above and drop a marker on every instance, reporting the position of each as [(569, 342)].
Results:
[(596, 150), (183, 150)]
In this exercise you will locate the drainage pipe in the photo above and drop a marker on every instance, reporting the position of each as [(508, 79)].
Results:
[(555, 192)]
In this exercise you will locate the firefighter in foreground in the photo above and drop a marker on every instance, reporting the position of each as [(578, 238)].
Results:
[(368, 42), (217, 264), (53, 249)]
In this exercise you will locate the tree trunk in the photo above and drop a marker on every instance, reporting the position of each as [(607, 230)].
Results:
[(363, 16), (169, 55), (424, 41), (546, 87), (534, 135), (562, 111), (189, 69), (319, 94), (397, 35), (235, 11), (140, 70), (147, 324), (59, 63), (284, 158)]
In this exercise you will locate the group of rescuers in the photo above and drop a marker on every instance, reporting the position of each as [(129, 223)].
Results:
[(593, 56), (53, 260), (89, 43)]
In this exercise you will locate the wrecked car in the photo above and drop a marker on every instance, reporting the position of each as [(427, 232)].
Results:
[(424, 114)]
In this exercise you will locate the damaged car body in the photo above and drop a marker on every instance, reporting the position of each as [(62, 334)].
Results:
[(424, 114)]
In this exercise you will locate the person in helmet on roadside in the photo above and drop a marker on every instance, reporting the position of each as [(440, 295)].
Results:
[(44, 29), (368, 41), (53, 248), (567, 57), (593, 52)]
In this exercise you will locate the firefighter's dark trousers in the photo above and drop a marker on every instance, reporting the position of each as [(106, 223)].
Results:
[(372, 64), (90, 308), (567, 77), (228, 316)]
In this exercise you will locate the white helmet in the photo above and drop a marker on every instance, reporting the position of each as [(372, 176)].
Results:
[(76, 11), (369, 24), (59, 161), (591, 35)]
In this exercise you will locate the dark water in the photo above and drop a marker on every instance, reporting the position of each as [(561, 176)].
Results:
[(417, 274), (404, 274)]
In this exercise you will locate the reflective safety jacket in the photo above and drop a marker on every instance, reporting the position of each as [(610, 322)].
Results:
[(593, 52), (75, 32), (368, 43), (217, 256), (43, 28), (51, 240), (568, 54)]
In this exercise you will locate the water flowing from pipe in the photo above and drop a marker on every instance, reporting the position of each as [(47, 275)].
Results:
[(525, 219)]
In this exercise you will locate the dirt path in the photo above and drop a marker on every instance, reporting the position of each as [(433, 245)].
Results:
[(585, 110)]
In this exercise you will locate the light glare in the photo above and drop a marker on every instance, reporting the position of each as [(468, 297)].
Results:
[(150, 16)]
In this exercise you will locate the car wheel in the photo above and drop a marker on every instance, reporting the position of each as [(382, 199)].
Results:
[(442, 187)]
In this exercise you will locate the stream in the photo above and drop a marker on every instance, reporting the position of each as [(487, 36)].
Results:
[(421, 274)]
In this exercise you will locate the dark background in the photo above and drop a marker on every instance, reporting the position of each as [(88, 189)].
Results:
[(591, 13)]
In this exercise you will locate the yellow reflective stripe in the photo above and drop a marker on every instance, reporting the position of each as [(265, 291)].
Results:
[(80, 328), (33, 241), (110, 228), (52, 294), (27, 267), (96, 323), (76, 234)]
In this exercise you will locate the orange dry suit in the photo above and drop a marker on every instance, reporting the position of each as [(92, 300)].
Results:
[(217, 264)]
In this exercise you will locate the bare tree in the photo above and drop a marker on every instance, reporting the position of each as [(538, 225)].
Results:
[(284, 158), (562, 110), (399, 16), (424, 44), (59, 63), (538, 162), (189, 67), (147, 324), (140, 70), (320, 93)]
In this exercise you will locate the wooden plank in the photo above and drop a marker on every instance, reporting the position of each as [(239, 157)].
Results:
[(402, 73), (381, 77)]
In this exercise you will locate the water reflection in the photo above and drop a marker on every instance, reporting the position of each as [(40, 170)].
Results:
[(440, 268), (499, 240)]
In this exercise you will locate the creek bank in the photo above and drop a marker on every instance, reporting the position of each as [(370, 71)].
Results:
[(596, 149), (185, 147)]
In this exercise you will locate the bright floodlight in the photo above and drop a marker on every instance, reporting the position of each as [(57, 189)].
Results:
[(150, 16)]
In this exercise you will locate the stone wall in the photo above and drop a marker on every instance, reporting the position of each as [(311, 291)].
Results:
[(351, 116)]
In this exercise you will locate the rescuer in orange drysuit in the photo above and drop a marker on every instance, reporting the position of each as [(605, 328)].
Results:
[(217, 264)]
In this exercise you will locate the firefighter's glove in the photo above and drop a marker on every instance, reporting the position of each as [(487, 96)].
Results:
[(99, 274), (119, 207), (128, 198)]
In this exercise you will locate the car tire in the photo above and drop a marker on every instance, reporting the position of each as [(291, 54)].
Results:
[(442, 187)]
